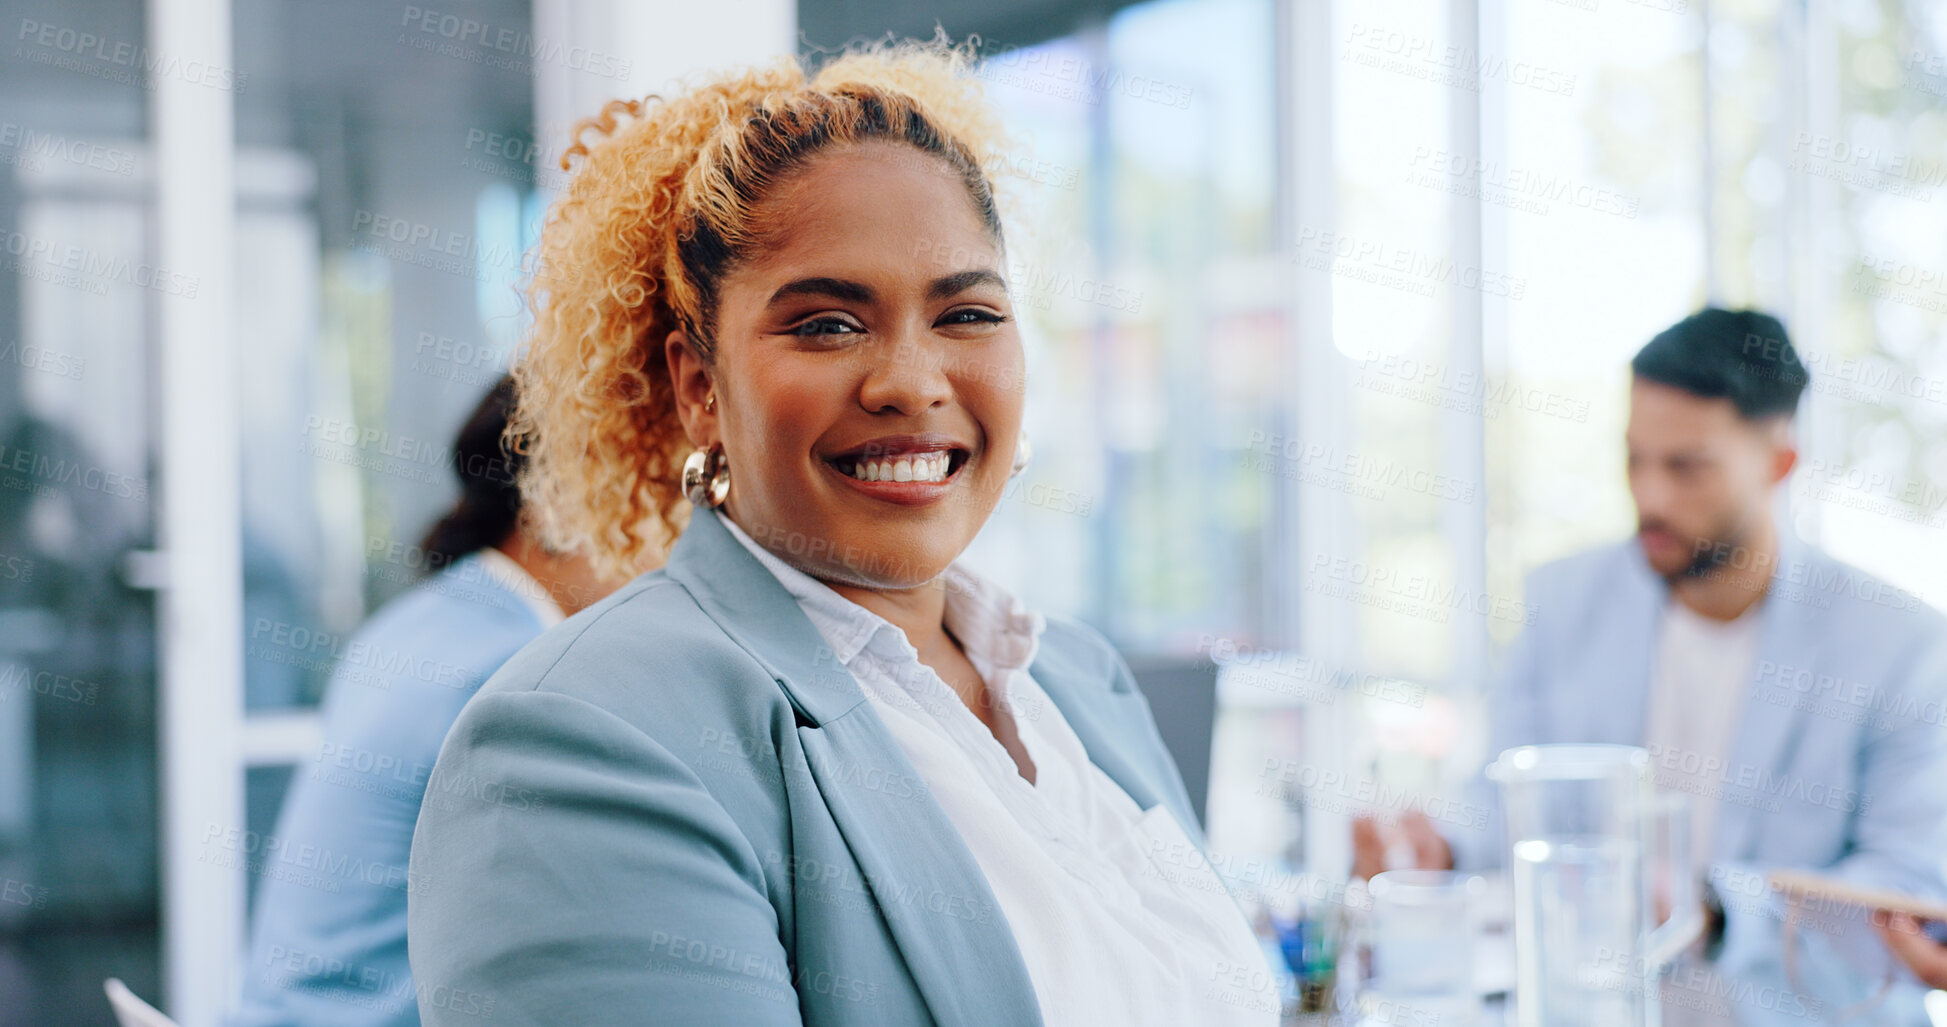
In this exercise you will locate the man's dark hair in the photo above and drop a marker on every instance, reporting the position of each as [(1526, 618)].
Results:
[(1740, 355)]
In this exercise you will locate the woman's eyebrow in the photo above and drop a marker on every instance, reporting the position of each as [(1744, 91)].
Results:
[(962, 281), (857, 292), (835, 288)]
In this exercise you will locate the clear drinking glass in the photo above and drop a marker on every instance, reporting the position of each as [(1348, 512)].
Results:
[(1419, 948)]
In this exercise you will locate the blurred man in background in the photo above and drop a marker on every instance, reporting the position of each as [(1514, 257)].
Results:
[(328, 946), (1796, 701)]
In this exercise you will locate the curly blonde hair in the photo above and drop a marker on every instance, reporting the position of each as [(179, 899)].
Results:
[(661, 206)]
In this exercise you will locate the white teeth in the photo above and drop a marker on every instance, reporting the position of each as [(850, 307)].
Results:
[(917, 468), (930, 468)]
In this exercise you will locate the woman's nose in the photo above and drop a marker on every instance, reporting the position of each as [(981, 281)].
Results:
[(908, 376)]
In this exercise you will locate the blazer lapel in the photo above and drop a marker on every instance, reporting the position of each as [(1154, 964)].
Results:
[(936, 901), (1616, 666), (748, 603), (1102, 724), (1770, 722), (935, 898)]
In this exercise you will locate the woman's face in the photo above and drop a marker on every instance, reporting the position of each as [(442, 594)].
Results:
[(868, 371)]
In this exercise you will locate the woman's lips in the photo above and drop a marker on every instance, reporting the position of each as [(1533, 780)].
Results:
[(913, 492)]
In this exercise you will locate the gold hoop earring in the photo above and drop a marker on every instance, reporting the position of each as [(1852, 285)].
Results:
[(1023, 452), (710, 403), (706, 476)]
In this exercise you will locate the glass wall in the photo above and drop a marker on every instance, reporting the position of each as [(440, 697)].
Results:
[(379, 275), (1834, 208), (78, 806), (384, 178), (1142, 257), (1600, 219), (380, 255), (1513, 204)]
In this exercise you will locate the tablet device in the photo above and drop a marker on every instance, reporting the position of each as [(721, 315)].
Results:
[(1804, 884)]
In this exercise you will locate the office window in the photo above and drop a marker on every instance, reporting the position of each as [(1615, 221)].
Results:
[(1142, 173), (1596, 210), (1837, 215), (78, 508), (381, 300)]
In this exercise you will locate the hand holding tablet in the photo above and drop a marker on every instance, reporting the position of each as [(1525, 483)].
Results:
[(1901, 920)]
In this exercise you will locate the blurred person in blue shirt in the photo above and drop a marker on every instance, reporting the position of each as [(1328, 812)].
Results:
[(328, 942), (1795, 700)]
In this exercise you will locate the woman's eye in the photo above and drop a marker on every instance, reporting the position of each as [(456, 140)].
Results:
[(972, 315), (826, 326)]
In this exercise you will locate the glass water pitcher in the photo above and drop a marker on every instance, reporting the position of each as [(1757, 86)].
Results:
[(1593, 855)]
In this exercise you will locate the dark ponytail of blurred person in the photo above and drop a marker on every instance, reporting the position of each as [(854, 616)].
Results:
[(490, 497)]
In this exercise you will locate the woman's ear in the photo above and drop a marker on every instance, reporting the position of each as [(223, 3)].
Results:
[(690, 377)]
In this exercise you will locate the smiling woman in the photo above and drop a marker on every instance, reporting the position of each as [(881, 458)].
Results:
[(843, 365), (816, 770)]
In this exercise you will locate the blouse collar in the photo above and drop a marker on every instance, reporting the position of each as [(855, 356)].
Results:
[(993, 625)]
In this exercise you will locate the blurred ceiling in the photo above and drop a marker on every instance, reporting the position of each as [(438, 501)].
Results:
[(353, 55), (825, 25)]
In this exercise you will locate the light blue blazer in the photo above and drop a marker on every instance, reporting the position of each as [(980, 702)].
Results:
[(1840, 759), (328, 945), (719, 828)]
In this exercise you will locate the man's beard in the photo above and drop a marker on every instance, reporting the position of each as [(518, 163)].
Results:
[(1712, 551)]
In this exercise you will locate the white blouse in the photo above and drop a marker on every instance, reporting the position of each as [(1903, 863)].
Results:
[(1115, 924)]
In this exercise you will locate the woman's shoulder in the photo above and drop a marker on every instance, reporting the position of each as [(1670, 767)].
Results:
[(434, 643), (641, 692), (400, 679), (462, 597), (649, 654)]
